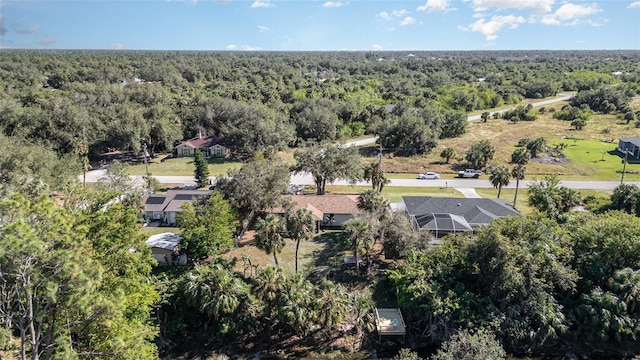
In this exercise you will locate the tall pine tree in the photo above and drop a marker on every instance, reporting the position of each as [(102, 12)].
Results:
[(202, 168)]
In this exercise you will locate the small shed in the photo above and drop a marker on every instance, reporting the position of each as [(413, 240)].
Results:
[(389, 322), (165, 248)]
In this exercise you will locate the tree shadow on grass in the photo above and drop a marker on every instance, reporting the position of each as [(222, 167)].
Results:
[(331, 256)]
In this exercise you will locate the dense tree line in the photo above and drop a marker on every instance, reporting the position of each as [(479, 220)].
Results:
[(120, 100), (537, 285)]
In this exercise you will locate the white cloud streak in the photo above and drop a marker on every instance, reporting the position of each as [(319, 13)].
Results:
[(435, 6), (376, 47), (635, 4), (571, 15), (261, 4), (407, 21), (491, 28), (333, 4), (400, 13), (263, 29), (46, 41), (537, 6), (384, 16), (29, 30)]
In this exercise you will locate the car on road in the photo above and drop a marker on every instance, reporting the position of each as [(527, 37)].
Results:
[(469, 173), (429, 176)]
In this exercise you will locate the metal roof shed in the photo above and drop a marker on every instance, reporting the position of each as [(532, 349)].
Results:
[(389, 322)]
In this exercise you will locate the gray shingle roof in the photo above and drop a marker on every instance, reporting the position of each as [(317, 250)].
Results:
[(476, 212)]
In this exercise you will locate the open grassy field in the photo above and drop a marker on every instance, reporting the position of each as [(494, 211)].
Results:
[(589, 155)]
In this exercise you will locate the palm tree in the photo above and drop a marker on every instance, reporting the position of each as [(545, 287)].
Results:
[(374, 204), (375, 174), (269, 235), (520, 157), (214, 290), (300, 226), (359, 236), (448, 153), (333, 303), (296, 304), (267, 287), (517, 173), (500, 177)]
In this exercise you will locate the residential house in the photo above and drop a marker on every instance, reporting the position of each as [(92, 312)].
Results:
[(443, 215), (165, 207), (165, 248), (329, 211), (211, 146), (630, 145)]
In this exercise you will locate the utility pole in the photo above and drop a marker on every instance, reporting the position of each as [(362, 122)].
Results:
[(146, 167), (624, 165)]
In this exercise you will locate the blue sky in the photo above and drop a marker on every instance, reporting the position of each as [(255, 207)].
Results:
[(304, 25)]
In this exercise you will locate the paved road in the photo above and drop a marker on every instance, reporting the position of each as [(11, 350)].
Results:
[(301, 179), (306, 179), (534, 104)]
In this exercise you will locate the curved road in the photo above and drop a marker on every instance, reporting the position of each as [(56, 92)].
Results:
[(534, 104)]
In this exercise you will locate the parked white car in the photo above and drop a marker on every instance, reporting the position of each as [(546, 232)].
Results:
[(429, 176)]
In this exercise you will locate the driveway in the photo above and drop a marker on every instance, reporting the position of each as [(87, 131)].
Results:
[(469, 192)]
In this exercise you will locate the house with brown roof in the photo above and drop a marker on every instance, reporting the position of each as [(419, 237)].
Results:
[(329, 211), (211, 146), (165, 207)]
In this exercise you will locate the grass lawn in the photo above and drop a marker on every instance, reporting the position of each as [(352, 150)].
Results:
[(508, 194), (307, 254), (183, 166), (393, 193), (153, 230), (596, 160)]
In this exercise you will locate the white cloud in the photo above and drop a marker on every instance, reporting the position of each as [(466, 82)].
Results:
[(231, 47), (46, 41), (261, 4), (635, 4), (333, 4), (384, 16), (435, 6), (571, 14), (250, 48), (29, 30), (115, 46), (193, 2), (491, 28), (538, 6), (263, 29), (407, 21), (400, 13), (376, 47)]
